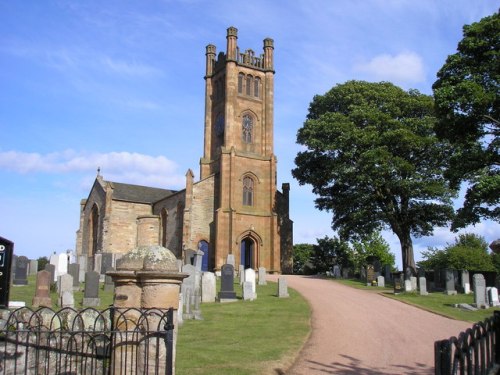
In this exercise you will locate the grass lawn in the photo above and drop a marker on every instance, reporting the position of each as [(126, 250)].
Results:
[(436, 302), (244, 337)]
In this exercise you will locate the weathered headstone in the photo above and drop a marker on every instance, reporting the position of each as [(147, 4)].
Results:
[(109, 285), (381, 281), (282, 287), (422, 282), (227, 292), (189, 283), (413, 281), (250, 277), (74, 271), (91, 291), (241, 274), (370, 274), (262, 276), (336, 271), (62, 264), (21, 271), (52, 269), (97, 263), (42, 292), (408, 285), (65, 290), (247, 291), (107, 262), (198, 260), (450, 282), (82, 263), (465, 282), (493, 297), (479, 290), (208, 288), (33, 267), (399, 282)]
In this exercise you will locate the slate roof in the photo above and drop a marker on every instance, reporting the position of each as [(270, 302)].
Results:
[(139, 194)]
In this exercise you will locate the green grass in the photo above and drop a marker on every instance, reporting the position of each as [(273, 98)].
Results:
[(436, 302), (244, 337)]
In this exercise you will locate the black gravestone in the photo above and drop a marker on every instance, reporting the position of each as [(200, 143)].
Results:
[(106, 262), (227, 283), (21, 271), (6, 251), (52, 269)]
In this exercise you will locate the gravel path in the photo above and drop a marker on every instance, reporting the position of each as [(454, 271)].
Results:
[(362, 332)]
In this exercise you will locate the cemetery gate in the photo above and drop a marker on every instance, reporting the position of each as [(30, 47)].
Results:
[(112, 341), (475, 351)]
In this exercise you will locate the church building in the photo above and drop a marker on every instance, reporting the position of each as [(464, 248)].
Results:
[(234, 207)]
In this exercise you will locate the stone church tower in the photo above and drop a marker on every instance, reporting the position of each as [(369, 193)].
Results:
[(235, 207)]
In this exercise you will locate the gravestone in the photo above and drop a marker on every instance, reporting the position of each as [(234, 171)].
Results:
[(398, 280), (241, 274), (381, 281), (62, 264), (422, 282), (407, 284), (208, 288), (387, 272), (91, 291), (493, 297), (450, 283), (413, 281), (6, 271), (109, 285), (198, 260), (336, 271), (13, 268), (52, 269), (370, 274), (363, 273), (189, 282), (465, 278), (33, 267), (97, 263), (74, 271), (21, 271), (227, 292), (67, 299), (107, 262), (479, 290), (42, 292), (247, 291), (65, 290), (262, 276), (282, 287), (345, 273), (82, 263), (230, 259), (250, 277)]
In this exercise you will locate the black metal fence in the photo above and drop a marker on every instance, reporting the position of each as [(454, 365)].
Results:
[(68, 341), (475, 351)]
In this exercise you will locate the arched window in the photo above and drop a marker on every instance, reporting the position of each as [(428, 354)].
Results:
[(164, 219), (241, 76), (247, 129), (94, 229), (256, 87), (249, 85), (248, 191)]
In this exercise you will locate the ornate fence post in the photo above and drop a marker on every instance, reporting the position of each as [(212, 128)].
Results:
[(442, 357)]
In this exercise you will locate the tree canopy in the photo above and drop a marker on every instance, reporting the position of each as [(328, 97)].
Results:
[(468, 106), (374, 161), (469, 252)]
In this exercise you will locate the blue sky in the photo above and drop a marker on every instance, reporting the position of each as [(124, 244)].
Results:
[(119, 85)]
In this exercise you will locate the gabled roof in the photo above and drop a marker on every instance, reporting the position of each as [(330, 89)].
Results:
[(139, 194)]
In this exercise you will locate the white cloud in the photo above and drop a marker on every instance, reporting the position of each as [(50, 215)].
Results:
[(115, 166), (406, 67)]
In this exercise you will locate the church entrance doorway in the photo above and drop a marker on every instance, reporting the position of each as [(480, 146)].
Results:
[(203, 246), (247, 252)]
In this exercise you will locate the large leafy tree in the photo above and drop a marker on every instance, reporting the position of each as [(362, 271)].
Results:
[(374, 245), (373, 160), (469, 252), (329, 252), (468, 106)]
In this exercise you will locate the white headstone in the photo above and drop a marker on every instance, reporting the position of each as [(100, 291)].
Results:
[(62, 264), (248, 293), (250, 277), (493, 297), (262, 276), (381, 281), (408, 285), (230, 259), (282, 287), (208, 289)]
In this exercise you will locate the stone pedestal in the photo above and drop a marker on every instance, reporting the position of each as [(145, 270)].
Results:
[(147, 278)]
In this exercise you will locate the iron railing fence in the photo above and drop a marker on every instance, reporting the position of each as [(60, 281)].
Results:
[(475, 351), (87, 342)]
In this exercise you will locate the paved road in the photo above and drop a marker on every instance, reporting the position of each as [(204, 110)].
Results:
[(362, 332)]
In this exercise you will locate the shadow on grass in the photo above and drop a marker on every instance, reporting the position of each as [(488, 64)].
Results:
[(354, 366)]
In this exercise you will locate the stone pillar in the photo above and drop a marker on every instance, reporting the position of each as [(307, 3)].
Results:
[(148, 230), (145, 278)]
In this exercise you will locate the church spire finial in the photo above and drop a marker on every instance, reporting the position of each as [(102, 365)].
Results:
[(98, 171)]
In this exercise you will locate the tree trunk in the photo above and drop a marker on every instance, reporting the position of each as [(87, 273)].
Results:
[(407, 253)]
